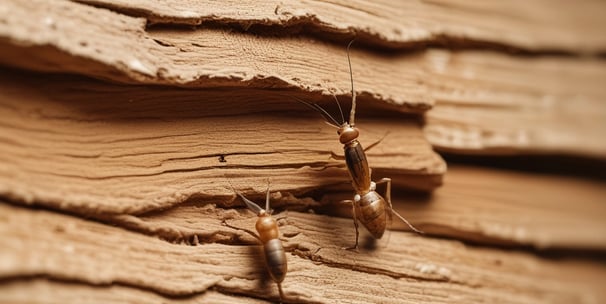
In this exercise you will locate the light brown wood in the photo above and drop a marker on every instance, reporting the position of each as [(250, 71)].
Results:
[(29, 291), (538, 25), (504, 207), (118, 191), (63, 36), (488, 103), (91, 147), (484, 206), (409, 269)]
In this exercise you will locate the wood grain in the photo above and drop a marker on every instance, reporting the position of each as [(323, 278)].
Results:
[(75, 38), (537, 26), (503, 207), (51, 291), (488, 103), (90, 147), (409, 269), (479, 205)]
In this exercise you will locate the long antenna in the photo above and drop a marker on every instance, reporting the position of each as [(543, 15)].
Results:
[(267, 198), (352, 114), (340, 110), (250, 204)]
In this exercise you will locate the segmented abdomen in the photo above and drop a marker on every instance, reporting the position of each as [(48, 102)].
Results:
[(276, 259), (370, 211)]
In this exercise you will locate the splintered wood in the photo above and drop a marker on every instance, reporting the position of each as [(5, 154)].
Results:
[(123, 124), (70, 251)]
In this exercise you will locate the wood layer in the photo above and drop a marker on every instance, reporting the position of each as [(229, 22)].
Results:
[(410, 269), (488, 103), (490, 206), (537, 26), (484, 206), (63, 36), (91, 147), (49, 291)]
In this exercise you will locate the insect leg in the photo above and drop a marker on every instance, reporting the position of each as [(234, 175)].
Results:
[(224, 223), (281, 292), (355, 220), (388, 199), (376, 142)]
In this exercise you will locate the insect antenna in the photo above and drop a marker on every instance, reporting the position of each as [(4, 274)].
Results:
[(352, 114), (267, 199), (250, 204), (327, 117), (340, 110)]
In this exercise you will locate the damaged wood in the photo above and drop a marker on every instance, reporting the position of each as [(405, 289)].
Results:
[(474, 204), (118, 189), (409, 267), (537, 26), (67, 37), (96, 148), (487, 102)]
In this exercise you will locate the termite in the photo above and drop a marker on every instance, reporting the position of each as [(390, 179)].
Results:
[(267, 228), (368, 206)]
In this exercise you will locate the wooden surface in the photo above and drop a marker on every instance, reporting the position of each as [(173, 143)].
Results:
[(543, 25), (90, 147), (123, 124), (485, 102), (505, 207), (410, 269)]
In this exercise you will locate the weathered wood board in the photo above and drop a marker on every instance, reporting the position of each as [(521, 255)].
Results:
[(42, 244)]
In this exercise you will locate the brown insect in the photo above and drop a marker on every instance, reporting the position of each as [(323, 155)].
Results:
[(267, 228), (368, 206)]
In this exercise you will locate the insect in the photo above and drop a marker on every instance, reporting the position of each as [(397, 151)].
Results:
[(267, 228), (368, 206)]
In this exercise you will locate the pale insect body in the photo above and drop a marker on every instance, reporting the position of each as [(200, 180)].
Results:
[(267, 228), (368, 206)]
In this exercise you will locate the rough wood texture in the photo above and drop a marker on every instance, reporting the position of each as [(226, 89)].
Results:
[(410, 269), (117, 192), (63, 36), (537, 26), (91, 147), (507, 208), (52, 291), (475, 204), (487, 103)]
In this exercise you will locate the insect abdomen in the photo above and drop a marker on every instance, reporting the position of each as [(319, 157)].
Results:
[(370, 211), (276, 259)]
